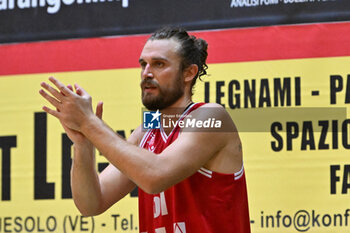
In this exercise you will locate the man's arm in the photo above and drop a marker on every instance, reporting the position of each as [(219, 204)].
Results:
[(153, 173), (92, 193)]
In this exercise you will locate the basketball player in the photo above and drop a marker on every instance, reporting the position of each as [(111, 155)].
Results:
[(189, 180)]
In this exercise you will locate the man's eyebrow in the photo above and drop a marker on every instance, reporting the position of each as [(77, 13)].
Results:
[(154, 59)]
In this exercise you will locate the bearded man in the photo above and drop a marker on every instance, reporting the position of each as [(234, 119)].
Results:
[(189, 180)]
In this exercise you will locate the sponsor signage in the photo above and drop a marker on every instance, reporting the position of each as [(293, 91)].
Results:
[(33, 20)]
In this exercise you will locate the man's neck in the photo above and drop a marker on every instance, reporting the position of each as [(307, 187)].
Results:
[(178, 107), (172, 113)]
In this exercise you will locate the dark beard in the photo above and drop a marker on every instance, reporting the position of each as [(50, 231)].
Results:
[(165, 98), (162, 100)]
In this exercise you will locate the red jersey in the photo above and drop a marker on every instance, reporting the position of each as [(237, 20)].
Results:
[(206, 202)]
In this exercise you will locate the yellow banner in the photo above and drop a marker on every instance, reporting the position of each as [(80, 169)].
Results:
[(293, 121)]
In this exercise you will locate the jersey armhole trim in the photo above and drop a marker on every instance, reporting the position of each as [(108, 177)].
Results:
[(239, 174), (145, 136), (205, 172), (208, 173)]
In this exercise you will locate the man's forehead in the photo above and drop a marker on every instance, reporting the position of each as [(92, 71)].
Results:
[(161, 48)]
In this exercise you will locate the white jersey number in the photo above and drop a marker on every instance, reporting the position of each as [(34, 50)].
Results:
[(159, 205)]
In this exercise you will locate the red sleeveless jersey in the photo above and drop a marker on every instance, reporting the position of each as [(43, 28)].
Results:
[(206, 202)]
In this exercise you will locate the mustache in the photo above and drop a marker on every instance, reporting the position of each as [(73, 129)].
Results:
[(148, 82)]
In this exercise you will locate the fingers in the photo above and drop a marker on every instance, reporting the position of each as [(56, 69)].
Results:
[(70, 87), (52, 90), (65, 90), (49, 98), (99, 109), (52, 112), (79, 90), (59, 96)]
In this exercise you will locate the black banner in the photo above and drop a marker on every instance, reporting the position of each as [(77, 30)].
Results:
[(32, 20)]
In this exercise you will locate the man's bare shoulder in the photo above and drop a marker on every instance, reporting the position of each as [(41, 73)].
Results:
[(228, 158), (217, 116), (211, 109)]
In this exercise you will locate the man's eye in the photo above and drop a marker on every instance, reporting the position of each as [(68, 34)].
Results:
[(159, 64)]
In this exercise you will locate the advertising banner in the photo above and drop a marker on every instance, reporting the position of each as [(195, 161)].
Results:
[(34, 20), (287, 88)]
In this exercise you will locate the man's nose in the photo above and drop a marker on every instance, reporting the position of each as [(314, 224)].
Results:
[(147, 72)]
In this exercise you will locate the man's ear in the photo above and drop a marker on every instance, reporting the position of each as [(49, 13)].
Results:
[(190, 72)]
